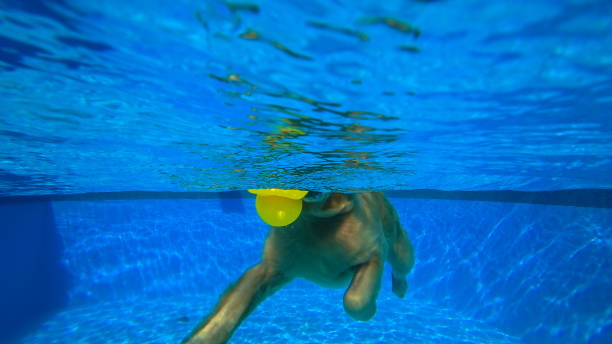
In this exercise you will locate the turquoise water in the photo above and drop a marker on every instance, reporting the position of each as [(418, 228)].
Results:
[(487, 122)]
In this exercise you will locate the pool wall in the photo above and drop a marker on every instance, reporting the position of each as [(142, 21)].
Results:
[(35, 282)]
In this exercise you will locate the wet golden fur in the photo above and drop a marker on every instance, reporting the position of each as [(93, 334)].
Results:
[(340, 240)]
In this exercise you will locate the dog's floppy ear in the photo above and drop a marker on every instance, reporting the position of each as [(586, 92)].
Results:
[(330, 205)]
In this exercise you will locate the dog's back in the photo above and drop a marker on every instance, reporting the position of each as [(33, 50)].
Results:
[(331, 238)]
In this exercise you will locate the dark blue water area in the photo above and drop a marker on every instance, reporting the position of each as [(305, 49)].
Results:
[(147, 271), (35, 280)]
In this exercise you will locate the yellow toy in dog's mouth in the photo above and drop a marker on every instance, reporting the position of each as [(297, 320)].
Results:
[(278, 207)]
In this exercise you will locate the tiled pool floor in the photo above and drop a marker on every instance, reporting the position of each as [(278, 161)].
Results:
[(285, 318)]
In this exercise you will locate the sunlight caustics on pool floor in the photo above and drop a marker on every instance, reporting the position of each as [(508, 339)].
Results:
[(292, 316)]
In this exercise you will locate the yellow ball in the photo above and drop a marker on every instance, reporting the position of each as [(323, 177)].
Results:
[(278, 211)]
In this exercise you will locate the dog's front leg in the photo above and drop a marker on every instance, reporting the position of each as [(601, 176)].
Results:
[(360, 297), (255, 285)]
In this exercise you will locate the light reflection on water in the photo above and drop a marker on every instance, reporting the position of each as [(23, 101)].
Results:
[(325, 95)]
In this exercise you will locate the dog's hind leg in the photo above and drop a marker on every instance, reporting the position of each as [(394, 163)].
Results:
[(255, 285), (401, 258)]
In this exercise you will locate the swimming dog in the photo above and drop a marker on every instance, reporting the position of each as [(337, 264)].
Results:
[(338, 240)]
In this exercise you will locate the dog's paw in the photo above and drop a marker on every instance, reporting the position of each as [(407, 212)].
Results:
[(399, 286)]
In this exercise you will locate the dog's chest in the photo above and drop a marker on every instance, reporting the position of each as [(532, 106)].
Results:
[(349, 242)]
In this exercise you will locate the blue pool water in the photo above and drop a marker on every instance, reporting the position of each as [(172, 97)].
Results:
[(128, 129)]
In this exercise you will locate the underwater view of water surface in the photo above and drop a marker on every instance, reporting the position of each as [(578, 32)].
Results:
[(131, 130)]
